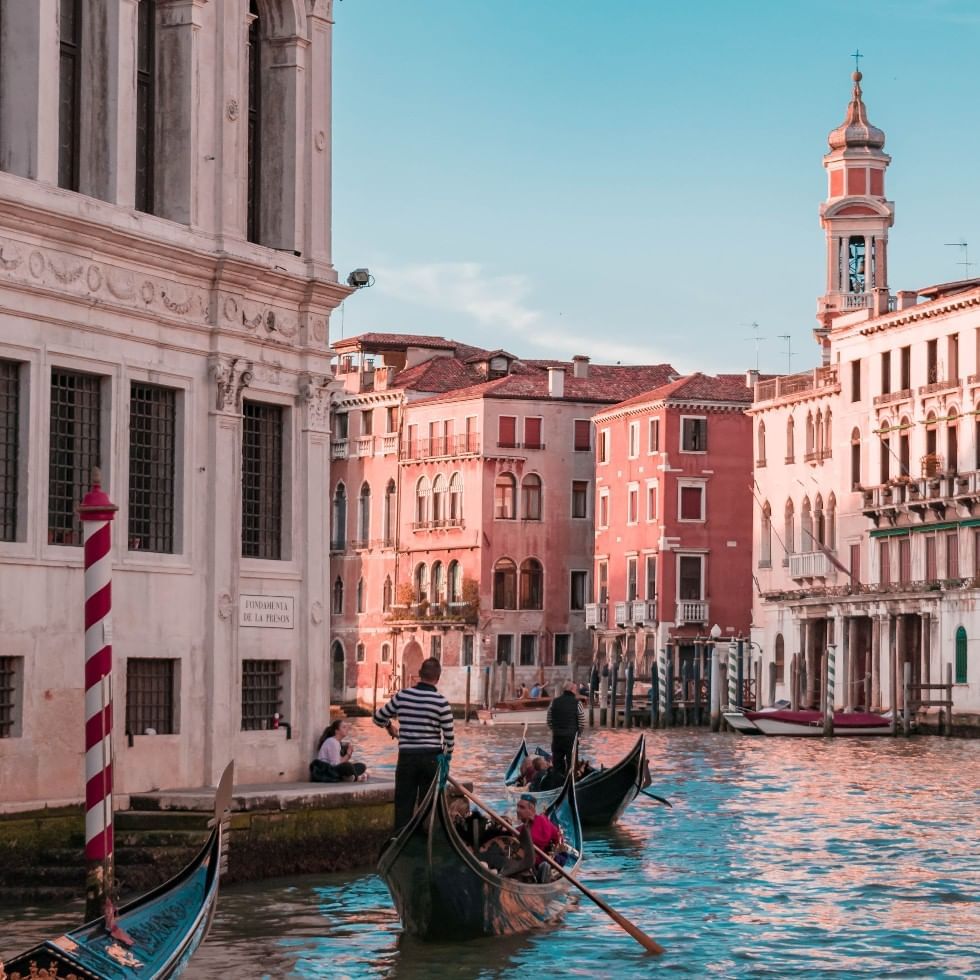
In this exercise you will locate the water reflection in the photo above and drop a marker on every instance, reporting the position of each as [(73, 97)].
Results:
[(837, 858)]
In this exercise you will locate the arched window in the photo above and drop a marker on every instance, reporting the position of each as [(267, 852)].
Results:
[(360, 595), (952, 441), (364, 516), (855, 459), (504, 494), (386, 595), (884, 441), (145, 102), (69, 93), (385, 653), (790, 436), (531, 497), (809, 444), (422, 495), (338, 596), (439, 493), (819, 529), (455, 582), (765, 538), (789, 530), (504, 584), (932, 464), (806, 527), (779, 656), (818, 434), (760, 459), (359, 654), (830, 534), (455, 499), (961, 645), (339, 518), (828, 441), (421, 582), (532, 584), (904, 448), (389, 515), (438, 582)]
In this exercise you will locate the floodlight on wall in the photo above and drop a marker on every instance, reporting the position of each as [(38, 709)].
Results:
[(360, 278)]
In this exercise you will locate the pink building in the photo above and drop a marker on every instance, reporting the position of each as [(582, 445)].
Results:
[(673, 517), (463, 489)]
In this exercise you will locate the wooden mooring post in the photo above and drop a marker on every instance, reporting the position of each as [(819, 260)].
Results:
[(914, 700), (374, 700), (466, 709), (714, 689), (628, 703)]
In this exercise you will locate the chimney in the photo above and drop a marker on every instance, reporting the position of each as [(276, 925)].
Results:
[(751, 378), (580, 366), (907, 298), (556, 382)]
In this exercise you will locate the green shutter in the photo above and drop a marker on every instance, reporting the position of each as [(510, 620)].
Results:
[(961, 656)]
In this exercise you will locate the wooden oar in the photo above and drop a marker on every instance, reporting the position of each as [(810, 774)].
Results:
[(659, 799), (650, 945)]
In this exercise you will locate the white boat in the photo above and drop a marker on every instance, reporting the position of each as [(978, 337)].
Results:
[(737, 720), (810, 723), (521, 711)]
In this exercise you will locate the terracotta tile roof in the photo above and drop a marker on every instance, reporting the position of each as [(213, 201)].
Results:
[(695, 387), (395, 341), (437, 375)]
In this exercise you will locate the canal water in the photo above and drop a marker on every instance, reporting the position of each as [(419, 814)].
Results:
[(823, 858)]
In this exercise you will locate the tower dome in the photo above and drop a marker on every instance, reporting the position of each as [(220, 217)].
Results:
[(855, 131)]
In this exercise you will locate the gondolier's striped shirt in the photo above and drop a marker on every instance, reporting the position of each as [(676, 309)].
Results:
[(425, 720)]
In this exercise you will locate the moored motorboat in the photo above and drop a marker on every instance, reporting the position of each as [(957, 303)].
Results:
[(442, 889), (811, 723), (737, 720), (519, 711), (153, 936), (603, 794)]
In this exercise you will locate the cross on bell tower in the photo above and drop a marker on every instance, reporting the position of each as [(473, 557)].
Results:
[(855, 216)]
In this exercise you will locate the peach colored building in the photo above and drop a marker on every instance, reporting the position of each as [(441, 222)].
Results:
[(867, 525), (463, 485), (673, 519)]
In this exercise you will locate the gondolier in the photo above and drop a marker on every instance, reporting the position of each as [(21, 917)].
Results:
[(424, 730), (566, 719)]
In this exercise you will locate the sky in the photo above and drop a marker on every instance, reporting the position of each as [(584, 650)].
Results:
[(637, 180)]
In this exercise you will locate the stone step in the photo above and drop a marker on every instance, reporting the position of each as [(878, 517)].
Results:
[(144, 815), (192, 838)]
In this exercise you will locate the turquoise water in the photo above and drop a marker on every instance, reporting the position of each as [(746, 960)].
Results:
[(780, 857)]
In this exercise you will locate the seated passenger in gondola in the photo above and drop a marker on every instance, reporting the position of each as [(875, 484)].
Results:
[(521, 692), (535, 690), (544, 834), (470, 824), (540, 774)]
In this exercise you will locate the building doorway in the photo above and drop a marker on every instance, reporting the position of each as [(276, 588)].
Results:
[(338, 672)]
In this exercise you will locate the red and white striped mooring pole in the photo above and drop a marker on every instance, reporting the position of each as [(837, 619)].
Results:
[(96, 513)]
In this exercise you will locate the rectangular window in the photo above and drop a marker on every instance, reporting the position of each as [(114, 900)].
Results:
[(653, 436), (341, 426), (467, 654), (532, 433), (583, 435), (692, 503), (262, 464), (391, 419), (507, 431), (580, 498), (435, 646), (631, 592), (952, 555), (906, 368), (69, 89), (529, 649), (634, 440), (152, 467), (367, 422), (953, 357), (11, 696), (603, 508), (651, 568), (262, 684), (652, 492), (75, 449), (602, 582), (855, 381), (435, 444), (886, 372), (578, 589), (603, 452), (905, 560), (694, 435), (150, 695), (472, 437), (9, 448), (563, 643), (632, 504), (932, 361), (505, 648), (855, 563), (884, 563), (931, 573), (689, 577), (145, 116)]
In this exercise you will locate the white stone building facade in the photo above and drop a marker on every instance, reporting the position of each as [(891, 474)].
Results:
[(165, 293)]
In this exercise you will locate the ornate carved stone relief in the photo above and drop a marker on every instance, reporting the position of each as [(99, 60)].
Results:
[(315, 392), (265, 323), (231, 377)]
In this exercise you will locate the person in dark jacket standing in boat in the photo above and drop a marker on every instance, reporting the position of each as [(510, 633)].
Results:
[(566, 719), (424, 730)]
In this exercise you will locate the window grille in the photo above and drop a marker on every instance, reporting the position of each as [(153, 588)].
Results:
[(8, 695), (261, 693), (75, 450), (529, 649), (9, 445), (69, 87), (262, 480), (152, 455), (145, 99), (149, 696)]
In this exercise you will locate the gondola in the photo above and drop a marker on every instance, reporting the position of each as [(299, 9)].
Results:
[(151, 937), (443, 891), (603, 794)]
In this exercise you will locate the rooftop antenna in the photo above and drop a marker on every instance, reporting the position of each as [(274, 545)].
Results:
[(755, 327), (966, 263), (789, 351)]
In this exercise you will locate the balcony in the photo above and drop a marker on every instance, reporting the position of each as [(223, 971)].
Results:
[(338, 449), (821, 380), (643, 611), (389, 443), (434, 525), (364, 446), (934, 387), (936, 495), (596, 614), (428, 614), (810, 564), (439, 448), (691, 611)]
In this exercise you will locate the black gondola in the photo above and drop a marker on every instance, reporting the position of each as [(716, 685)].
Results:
[(603, 794), (443, 891), (153, 936)]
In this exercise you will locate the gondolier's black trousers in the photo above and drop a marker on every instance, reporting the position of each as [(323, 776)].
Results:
[(561, 753), (413, 777)]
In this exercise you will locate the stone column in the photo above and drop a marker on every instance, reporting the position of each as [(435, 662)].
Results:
[(812, 665), (317, 161), (29, 79), (926, 647), (901, 647), (852, 662), (222, 671)]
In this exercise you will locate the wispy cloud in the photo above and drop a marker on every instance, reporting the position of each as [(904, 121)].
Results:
[(496, 302)]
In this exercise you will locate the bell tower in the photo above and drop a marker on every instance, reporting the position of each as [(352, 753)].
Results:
[(855, 217)]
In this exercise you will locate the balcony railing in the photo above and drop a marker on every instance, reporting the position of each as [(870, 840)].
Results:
[(949, 384), (691, 611), (643, 611), (810, 564), (338, 449), (461, 445), (809, 382), (435, 524), (364, 446), (596, 613), (389, 443)]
